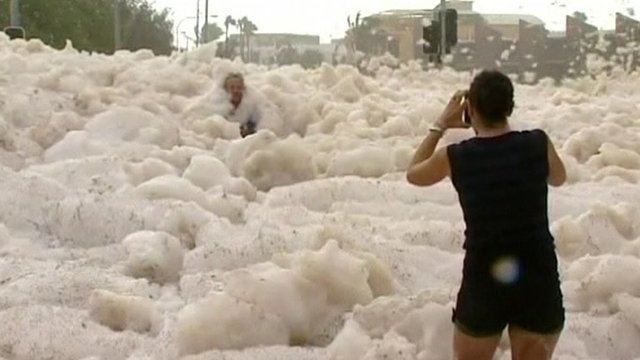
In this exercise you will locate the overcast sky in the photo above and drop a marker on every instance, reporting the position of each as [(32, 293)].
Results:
[(327, 18)]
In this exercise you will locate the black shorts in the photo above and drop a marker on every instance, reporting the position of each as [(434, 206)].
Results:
[(526, 294)]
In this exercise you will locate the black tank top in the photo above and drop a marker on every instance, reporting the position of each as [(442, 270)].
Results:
[(502, 186)]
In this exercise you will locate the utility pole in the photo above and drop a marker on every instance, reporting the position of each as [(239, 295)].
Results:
[(15, 13), (443, 24), (205, 32), (117, 31), (198, 23)]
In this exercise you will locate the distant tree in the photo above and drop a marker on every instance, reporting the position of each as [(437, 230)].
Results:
[(229, 21), (4, 14), (311, 59), (287, 55), (214, 32), (367, 36), (247, 30), (89, 24), (145, 28), (580, 15), (250, 30), (232, 45), (221, 52)]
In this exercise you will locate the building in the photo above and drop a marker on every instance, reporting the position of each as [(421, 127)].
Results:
[(518, 44), (265, 46), (509, 24), (406, 26), (281, 39)]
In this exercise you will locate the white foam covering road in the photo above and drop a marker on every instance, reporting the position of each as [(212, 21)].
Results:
[(134, 224)]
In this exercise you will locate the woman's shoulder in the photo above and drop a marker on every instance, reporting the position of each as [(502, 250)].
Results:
[(538, 132), (536, 135)]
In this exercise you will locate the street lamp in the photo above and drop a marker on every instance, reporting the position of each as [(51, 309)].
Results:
[(180, 24), (206, 20), (197, 23), (14, 30), (117, 26), (443, 29), (189, 39), (15, 13)]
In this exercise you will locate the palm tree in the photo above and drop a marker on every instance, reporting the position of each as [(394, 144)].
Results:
[(240, 25), (229, 21), (247, 28), (366, 35)]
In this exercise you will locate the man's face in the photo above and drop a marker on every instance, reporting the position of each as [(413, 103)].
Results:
[(235, 88)]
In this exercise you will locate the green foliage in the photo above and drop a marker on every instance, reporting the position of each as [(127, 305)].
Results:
[(368, 36), (287, 55), (229, 21), (311, 59), (4, 14), (580, 16), (145, 28), (214, 32), (228, 47), (89, 24), (247, 28)]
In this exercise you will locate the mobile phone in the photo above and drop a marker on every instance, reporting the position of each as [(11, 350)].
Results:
[(466, 117)]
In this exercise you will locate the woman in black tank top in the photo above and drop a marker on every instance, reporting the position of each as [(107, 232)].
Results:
[(510, 276)]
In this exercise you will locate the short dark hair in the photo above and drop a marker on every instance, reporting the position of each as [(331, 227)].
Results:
[(233, 75), (491, 95)]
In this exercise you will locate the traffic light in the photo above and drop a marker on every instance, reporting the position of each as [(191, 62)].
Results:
[(451, 24), (432, 34), (15, 32), (432, 38)]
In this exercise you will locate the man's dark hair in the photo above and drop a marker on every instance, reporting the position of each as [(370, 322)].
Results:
[(233, 75), (491, 94)]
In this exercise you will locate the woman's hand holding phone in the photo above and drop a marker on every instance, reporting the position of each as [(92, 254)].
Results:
[(452, 116)]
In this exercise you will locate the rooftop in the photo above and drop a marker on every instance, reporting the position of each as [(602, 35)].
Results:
[(403, 13), (460, 5), (283, 34), (417, 13), (511, 19), (492, 19)]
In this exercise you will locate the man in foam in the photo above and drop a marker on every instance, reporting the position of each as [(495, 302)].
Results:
[(243, 110)]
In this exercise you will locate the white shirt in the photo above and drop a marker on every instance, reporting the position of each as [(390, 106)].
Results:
[(248, 110)]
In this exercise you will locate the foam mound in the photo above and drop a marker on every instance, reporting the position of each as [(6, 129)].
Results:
[(119, 312), (154, 256), (136, 223), (294, 300)]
